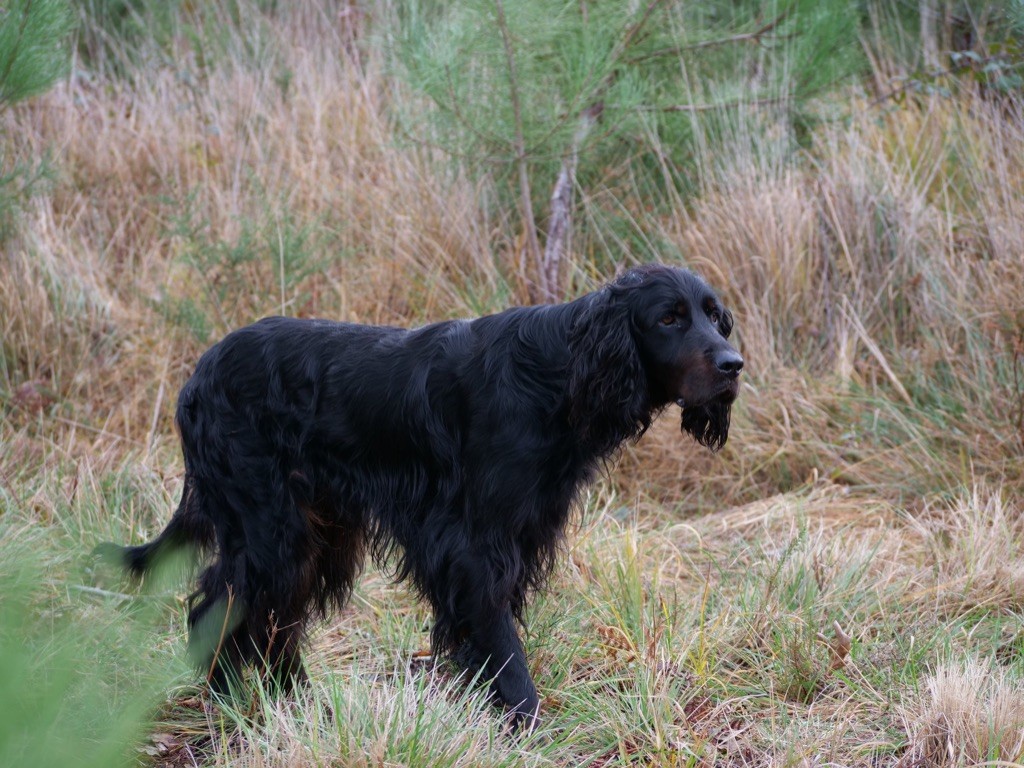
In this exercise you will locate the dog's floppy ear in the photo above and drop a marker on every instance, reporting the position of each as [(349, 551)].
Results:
[(607, 385), (708, 424)]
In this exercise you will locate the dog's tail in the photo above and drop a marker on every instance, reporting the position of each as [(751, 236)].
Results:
[(139, 559)]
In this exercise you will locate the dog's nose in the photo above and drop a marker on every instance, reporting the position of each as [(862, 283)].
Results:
[(729, 362)]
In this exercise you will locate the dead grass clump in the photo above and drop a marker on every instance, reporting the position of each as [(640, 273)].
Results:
[(968, 713), (74, 351), (363, 720), (58, 319), (973, 547)]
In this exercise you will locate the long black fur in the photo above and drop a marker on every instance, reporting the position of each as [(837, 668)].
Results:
[(454, 452)]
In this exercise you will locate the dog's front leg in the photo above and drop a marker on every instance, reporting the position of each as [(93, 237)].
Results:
[(490, 644), (499, 641), (494, 647)]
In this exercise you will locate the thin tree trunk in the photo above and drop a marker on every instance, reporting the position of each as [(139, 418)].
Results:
[(559, 239), (929, 13)]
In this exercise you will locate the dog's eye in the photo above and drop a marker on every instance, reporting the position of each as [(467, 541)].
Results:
[(715, 316), (668, 319)]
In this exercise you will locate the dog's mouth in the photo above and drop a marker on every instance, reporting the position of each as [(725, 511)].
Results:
[(724, 395)]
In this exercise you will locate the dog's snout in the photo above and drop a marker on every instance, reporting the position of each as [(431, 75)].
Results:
[(729, 362)]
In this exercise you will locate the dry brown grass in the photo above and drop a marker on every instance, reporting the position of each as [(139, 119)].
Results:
[(876, 300), (857, 276), (969, 713), (144, 167)]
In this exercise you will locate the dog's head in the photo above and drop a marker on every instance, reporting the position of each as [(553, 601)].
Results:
[(655, 336)]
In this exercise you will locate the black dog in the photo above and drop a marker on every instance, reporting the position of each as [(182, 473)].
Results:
[(454, 451)]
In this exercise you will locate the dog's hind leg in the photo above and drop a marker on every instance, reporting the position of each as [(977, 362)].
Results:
[(275, 641), (228, 633), (253, 601), (216, 615)]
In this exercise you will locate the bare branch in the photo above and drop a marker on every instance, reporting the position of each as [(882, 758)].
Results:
[(712, 107), (743, 37)]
